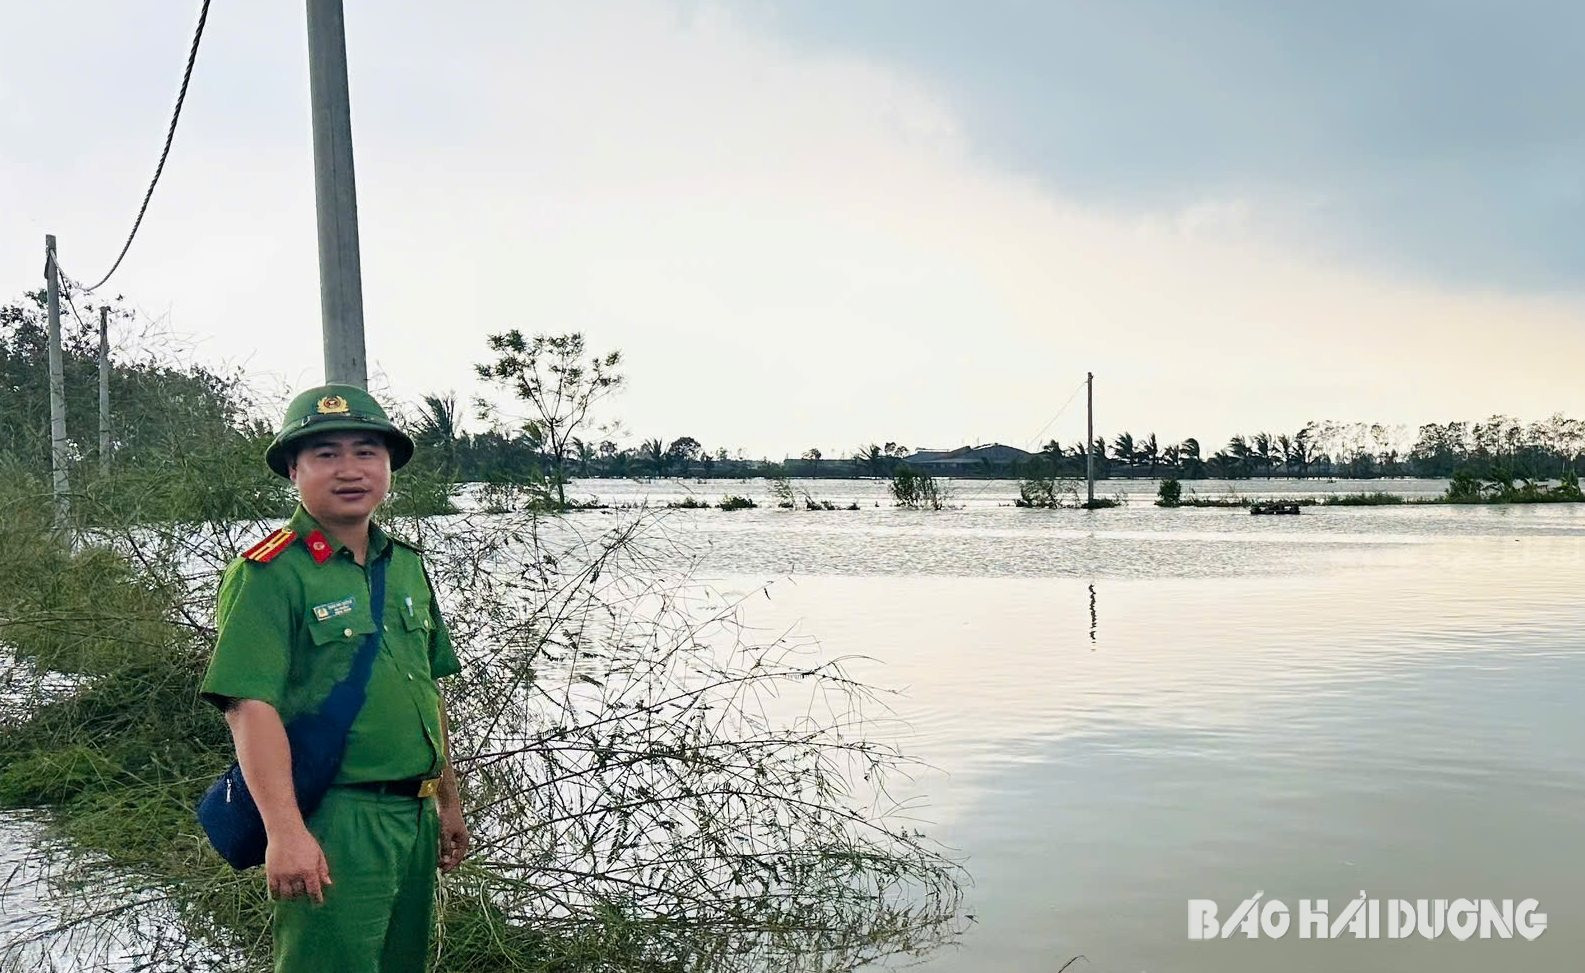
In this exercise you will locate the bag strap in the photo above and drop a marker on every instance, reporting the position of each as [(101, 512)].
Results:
[(346, 698)]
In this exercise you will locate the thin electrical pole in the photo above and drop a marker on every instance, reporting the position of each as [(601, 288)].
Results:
[(104, 389), (57, 383), (335, 196), (1089, 436)]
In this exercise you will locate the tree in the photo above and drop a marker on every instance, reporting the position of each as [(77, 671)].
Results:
[(154, 399), (1189, 456), (1224, 465), (549, 372), (681, 452), (585, 454), (1303, 449), (1150, 453), (1241, 453), (437, 427), (1263, 450), (1123, 448), (654, 452), (812, 455), (871, 458)]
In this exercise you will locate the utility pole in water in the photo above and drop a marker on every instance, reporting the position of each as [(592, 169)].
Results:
[(1089, 436), (104, 389), (335, 196), (52, 292)]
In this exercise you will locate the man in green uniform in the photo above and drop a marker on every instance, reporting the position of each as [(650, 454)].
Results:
[(354, 884)]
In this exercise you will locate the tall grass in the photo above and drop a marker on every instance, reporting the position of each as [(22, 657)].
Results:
[(642, 793)]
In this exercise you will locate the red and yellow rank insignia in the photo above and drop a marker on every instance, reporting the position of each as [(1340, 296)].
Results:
[(319, 548), (264, 551)]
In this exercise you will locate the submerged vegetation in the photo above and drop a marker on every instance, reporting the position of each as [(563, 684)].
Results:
[(919, 491), (1499, 486), (1053, 493)]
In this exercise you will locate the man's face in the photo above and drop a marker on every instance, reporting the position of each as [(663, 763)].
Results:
[(342, 476)]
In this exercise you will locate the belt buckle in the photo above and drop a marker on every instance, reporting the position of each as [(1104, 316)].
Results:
[(429, 788)]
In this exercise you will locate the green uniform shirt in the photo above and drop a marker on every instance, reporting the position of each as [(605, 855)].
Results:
[(288, 631)]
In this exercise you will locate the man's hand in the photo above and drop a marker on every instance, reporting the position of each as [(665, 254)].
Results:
[(295, 865), (293, 861), (453, 836)]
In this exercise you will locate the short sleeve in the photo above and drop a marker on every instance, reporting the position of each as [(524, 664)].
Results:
[(442, 655), (253, 645)]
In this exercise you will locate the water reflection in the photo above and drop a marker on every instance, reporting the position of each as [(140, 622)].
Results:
[(1094, 619), (1408, 727)]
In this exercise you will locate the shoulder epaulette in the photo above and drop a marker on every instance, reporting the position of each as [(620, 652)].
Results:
[(264, 551)]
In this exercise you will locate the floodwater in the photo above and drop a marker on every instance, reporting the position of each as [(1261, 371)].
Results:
[(1123, 710), (1126, 709)]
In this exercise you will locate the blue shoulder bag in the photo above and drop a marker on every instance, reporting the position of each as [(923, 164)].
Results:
[(317, 742)]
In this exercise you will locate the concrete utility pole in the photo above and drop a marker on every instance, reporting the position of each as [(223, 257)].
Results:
[(335, 196), (1089, 436), (57, 383), (104, 389)]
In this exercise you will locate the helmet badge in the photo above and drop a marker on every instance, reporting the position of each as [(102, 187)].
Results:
[(332, 405)]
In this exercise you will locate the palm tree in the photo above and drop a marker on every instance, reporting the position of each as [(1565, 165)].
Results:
[(654, 451), (1303, 453), (871, 457), (1189, 455), (437, 426), (585, 454), (1150, 453), (1263, 451), (1223, 465), (1171, 455), (1238, 449), (1123, 448)]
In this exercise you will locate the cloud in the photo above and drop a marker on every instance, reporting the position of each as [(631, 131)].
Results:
[(1441, 135), (792, 249)]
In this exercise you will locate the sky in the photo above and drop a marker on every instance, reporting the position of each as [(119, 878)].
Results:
[(827, 224)]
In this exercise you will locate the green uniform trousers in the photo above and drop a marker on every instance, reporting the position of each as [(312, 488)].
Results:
[(378, 915)]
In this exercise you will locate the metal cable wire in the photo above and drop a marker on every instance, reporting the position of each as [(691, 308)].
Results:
[(170, 136), (986, 485)]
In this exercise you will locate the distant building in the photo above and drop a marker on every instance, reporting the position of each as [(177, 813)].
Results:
[(967, 459)]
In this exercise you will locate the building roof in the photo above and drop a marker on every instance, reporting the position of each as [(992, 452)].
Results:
[(992, 453)]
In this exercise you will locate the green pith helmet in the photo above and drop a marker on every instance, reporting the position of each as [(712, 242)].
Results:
[(335, 408)]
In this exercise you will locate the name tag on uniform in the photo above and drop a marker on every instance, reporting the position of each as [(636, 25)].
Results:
[(333, 609)]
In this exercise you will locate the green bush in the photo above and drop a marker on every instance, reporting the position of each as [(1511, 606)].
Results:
[(785, 873), (918, 490)]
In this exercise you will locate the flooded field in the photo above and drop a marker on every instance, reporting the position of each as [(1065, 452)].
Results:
[(1123, 710)]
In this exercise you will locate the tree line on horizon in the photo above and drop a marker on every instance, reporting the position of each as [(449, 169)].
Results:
[(163, 406), (1543, 449), (1357, 450)]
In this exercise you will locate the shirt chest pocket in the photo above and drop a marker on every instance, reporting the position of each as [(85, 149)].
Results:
[(344, 630), (414, 611)]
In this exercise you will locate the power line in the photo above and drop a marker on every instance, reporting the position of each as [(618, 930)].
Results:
[(986, 486), (170, 136)]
